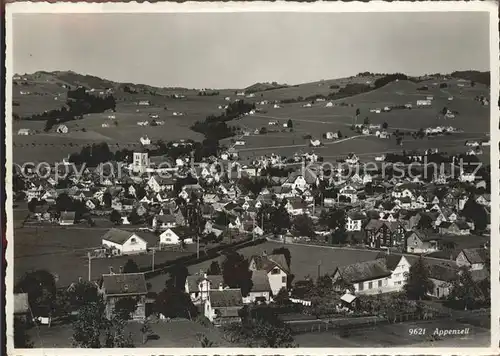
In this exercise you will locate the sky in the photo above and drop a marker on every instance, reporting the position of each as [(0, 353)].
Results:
[(235, 50)]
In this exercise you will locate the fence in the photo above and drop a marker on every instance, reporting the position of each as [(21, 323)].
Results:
[(345, 325), (193, 258)]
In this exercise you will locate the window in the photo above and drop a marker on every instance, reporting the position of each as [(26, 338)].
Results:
[(283, 279), (370, 285), (275, 271), (133, 240), (360, 286), (380, 283)]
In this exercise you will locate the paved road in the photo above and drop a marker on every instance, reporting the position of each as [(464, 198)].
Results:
[(299, 145)]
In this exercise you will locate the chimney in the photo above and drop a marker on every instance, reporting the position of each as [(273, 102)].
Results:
[(221, 287), (111, 270)]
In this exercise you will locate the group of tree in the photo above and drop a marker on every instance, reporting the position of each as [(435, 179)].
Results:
[(95, 154), (260, 332), (274, 219), (208, 93), (254, 185), (79, 103), (236, 272), (216, 128), (65, 203), (388, 79), (476, 213)]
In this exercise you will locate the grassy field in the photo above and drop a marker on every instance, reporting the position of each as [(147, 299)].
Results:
[(63, 251), (315, 121), (398, 335), (175, 334), (304, 261)]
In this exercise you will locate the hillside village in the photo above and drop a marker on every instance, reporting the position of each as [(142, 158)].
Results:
[(182, 230)]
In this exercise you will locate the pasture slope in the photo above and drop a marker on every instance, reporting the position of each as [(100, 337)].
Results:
[(473, 118)]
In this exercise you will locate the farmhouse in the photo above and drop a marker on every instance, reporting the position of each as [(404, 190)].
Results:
[(21, 307), (120, 286), (424, 102), (123, 242), (63, 129), (275, 266), (144, 103), (473, 258), (354, 221), (67, 218), (454, 228), (261, 289), (198, 287), (239, 143), (368, 277), (419, 243), (176, 235), (329, 104), (331, 135), (24, 132), (144, 140), (308, 105), (223, 306), (315, 143)]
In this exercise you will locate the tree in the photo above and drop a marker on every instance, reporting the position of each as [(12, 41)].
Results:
[(176, 277), (285, 252), (145, 331), (385, 125), (474, 211), (205, 341), (333, 219), (89, 324), (281, 297), (33, 203), (115, 217), (339, 134), (466, 291), (64, 203), (289, 124), (366, 121), (82, 293), (280, 219), (130, 266), (21, 338), (303, 224), (40, 286), (303, 288), (425, 222), (134, 218), (214, 269), (236, 273), (175, 303), (418, 282), (107, 199), (125, 307)]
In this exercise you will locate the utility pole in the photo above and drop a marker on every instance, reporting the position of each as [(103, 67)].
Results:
[(90, 265), (198, 246), (319, 268), (153, 261)]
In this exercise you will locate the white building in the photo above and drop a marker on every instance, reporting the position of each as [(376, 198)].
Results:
[(424, 103), (124, 242), (24, 132), (174, 236), (140, 161), (198, 287), (276, 268), (145, 141), (63, 129)]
